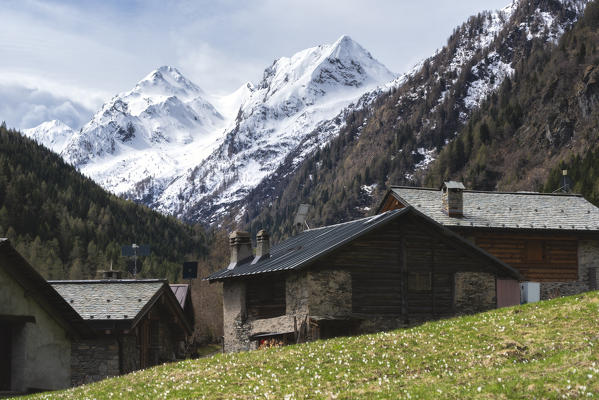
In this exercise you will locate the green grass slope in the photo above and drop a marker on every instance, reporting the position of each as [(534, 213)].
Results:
[(543, 350)]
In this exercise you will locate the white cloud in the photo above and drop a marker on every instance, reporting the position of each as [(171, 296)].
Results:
[(89, 51)]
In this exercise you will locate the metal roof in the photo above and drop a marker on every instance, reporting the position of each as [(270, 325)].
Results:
[(180, 290), (108, 299), (306, 247), (40, 290), (520, 210), (301, 249)]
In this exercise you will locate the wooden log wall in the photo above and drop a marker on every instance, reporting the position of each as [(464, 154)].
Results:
[(557, 261), (265, 297), (373, 261), (378, 282)]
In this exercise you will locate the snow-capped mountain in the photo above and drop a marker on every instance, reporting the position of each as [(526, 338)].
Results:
[(161, 127), (294, 96), (406, 122), (168, 144), (52, 134)]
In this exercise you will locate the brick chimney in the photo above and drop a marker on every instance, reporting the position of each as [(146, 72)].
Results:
[(453, 201), (241, 248), (262, 246)]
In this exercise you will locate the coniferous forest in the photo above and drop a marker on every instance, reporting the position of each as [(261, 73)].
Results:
[(68, 227)]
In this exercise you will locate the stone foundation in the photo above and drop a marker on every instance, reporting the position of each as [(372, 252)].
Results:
[(588, 268), (474, 292), (330, 293), (93, 360), (314, 293)]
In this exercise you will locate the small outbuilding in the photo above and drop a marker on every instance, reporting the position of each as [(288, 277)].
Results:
[(391, 270), (136, 324), (37, 328)]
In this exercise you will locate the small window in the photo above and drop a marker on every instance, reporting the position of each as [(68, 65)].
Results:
[(419, 282), (535, 251), (265, 297)]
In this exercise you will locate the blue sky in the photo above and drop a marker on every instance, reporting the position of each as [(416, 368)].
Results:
[(62, 59)]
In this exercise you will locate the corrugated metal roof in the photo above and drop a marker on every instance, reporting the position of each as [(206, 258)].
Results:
[(521, 210), (308, 246), (180, 290), (303, 248), (108, 299)]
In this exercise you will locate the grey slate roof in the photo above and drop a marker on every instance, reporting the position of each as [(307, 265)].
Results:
[(108, 299), (304, 248), (521, 210)]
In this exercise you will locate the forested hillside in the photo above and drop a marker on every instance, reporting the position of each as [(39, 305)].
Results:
[(546, 113), (431, 127), (69, 227)]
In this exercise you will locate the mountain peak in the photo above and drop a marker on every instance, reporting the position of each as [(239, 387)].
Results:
[(52, 134), (167, 80)]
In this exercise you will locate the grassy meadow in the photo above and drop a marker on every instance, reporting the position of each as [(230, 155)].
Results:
[(544, 350)]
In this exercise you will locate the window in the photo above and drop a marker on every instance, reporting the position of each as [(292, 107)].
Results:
[(419, 282), (535, 251), (265, 298)]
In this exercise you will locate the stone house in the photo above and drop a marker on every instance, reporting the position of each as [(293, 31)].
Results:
[(37, 328), (394, 269), (549, 238), (136, 324)]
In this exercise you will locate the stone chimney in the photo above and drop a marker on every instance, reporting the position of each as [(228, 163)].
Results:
[(453, 201), (262, 246), (112, 274), (109, 274), (241, 248)]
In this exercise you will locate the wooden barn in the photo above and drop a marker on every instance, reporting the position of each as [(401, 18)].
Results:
[(391, 270), (549, 238)]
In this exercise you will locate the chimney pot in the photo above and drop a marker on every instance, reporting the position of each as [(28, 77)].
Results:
[(262, 246), (453, 200), (241, 248)]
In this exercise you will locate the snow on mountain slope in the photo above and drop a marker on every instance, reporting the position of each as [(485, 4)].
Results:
[(155, 131), (52, 134), (294, 96)]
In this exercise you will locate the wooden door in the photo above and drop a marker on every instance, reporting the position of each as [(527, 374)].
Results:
[(144, 341), (5, 356), (508, 293)]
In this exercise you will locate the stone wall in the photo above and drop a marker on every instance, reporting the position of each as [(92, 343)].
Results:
[(312, 293), (297, 294), (474, 292), (236, 330), (330, 293), (94, 359), (588, 264), (41, 350)]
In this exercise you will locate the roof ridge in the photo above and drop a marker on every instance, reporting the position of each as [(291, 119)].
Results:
[(79, 281), (524, 193), (349, 222)]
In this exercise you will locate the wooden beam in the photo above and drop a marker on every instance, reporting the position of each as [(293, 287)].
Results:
[(404, 276)]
